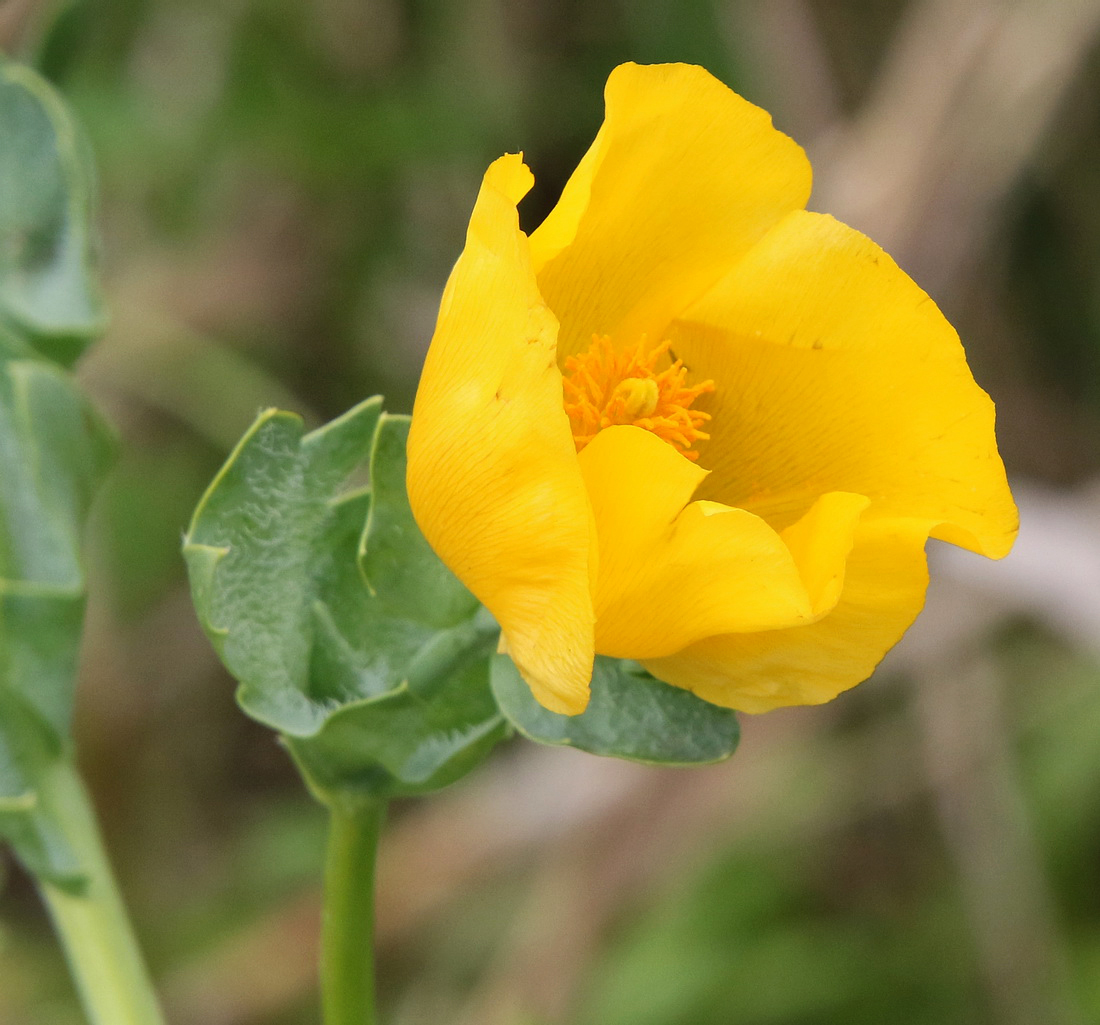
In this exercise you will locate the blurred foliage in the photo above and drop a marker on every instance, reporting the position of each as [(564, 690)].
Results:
[(54, 452), (284, 187)]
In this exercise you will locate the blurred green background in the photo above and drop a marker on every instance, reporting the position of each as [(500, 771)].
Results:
[(284, 187)]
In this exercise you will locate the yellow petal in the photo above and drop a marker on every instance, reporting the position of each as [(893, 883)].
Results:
[(820, 542), (835, 372), (673, 572), (883, 591), (492, 470), (683, 178)]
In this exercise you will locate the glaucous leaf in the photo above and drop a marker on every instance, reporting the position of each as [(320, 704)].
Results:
[(29, 750), (48, 291), (54, 449), (367, 693), (433, 727), (397, 561), (255, 550), (630, 715)]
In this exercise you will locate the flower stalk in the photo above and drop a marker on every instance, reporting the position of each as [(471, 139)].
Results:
[(347, 927)]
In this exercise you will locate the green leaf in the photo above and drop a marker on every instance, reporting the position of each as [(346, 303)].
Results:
[(48, 291), (257, 554), (369, 696), (434, 726), (630, 715), (29, 750), (54, 450), (397, 561)]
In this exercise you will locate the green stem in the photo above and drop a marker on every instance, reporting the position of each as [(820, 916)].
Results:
[(91, 920), (347, 927)]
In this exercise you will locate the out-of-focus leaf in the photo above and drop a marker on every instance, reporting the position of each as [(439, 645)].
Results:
[(60, 40), (47, 289), (53, 452), (368, 700), (28, 751), (630, 715)]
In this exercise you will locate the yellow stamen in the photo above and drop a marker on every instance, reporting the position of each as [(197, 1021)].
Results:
[(606, 386)]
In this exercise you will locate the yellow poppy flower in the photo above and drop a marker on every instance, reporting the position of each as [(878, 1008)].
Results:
[(689, 423)]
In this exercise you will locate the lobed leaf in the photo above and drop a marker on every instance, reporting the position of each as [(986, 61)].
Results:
[(255, 541), (368, 694)]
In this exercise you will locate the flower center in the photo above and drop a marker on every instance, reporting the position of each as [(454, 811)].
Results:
[(606, 386)]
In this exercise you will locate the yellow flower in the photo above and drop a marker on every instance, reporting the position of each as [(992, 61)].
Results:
[(689, 423)]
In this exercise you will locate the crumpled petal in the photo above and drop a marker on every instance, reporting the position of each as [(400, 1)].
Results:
[(885, 581), (673, 572), (837, 373), (819, 543), (682, 179), (493, 478)]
